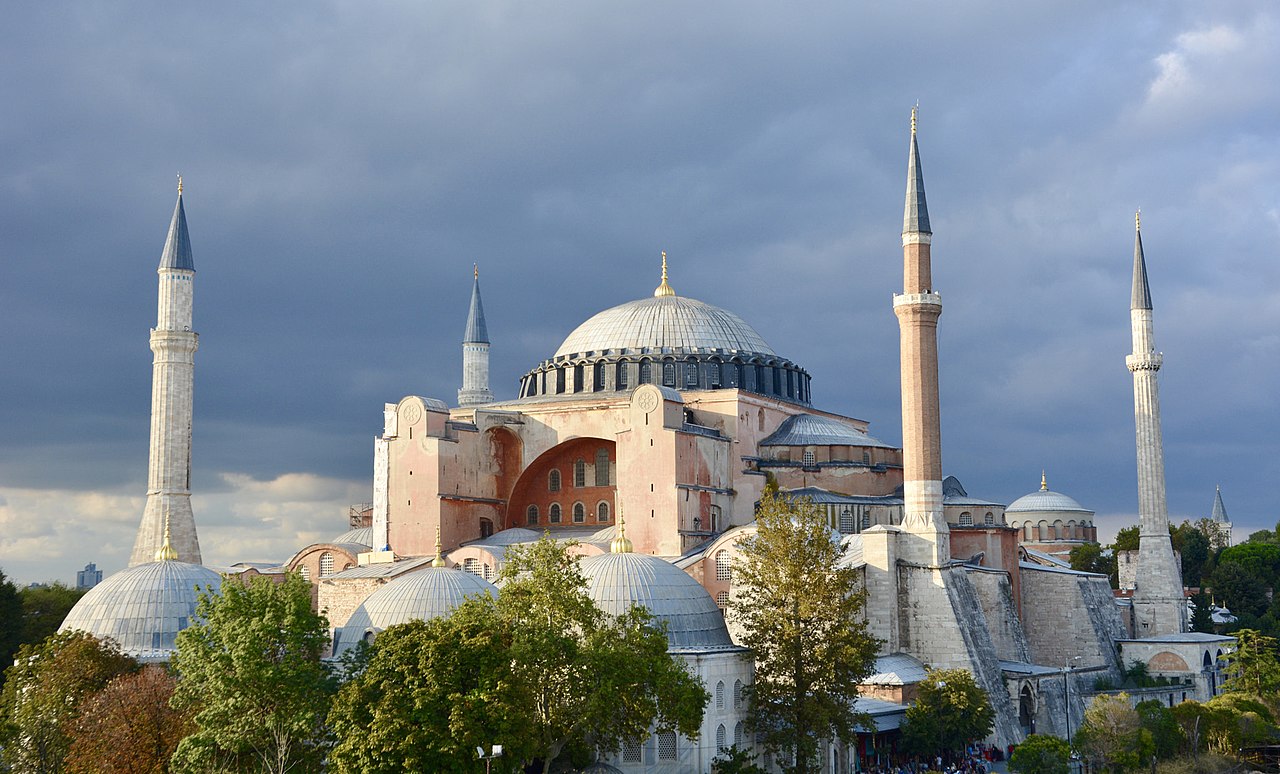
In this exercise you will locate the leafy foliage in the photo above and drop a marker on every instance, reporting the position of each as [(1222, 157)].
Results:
[(1041, 755), (1126, 539), (128, 727), (44, 608), (950, 711), (1254, 669), (1158, 720), (802, 615), (1112, 734), (735, 760), (1196, 549), (10, 620), (1202, 617), (43, 693), (252, 676), (1237, 720), (1239, 589)]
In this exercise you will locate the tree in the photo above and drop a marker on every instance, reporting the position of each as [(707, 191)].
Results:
[(44, 608), (1238, 720), (42, 697), (1126, 539), (1239, 589), (1195, 552), (1112, 734), (1090, 557), (1254, 667), (735, 760), (1202, 616), (1041, 755), (950, 711), (802, 615), (541, 670), (128, 727), (10, 620), (1260, 560), (1158, 720), (253, 679)]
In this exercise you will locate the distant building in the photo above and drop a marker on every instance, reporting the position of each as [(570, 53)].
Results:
[(89, 577)]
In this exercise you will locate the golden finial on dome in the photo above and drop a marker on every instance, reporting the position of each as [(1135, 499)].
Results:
[(179, 184), (664, 289), (1044, 482), (439, 560), (620, 544), (166, 552)]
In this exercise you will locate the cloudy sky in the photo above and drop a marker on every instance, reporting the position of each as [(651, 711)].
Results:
[(346, 162)]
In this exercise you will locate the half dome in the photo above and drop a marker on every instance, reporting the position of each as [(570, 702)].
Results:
[(664, 324), (143, 607), (615, 582)]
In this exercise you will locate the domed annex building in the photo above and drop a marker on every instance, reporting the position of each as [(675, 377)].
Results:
[(1050, 522)]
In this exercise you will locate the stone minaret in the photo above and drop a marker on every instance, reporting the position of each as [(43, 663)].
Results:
[(174, 345), (918, 309), (475, 353), (1158, 604)]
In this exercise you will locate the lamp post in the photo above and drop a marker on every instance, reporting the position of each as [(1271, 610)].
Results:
[(941, 726), (494, 752), (1066, 702)]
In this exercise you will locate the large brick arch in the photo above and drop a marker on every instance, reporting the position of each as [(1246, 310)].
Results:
[(532, 487), (1164, 661)]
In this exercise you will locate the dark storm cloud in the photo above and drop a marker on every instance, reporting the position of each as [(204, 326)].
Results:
[(347, 162)]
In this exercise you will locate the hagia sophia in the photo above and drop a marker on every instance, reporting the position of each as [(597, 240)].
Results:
[(648, 437)]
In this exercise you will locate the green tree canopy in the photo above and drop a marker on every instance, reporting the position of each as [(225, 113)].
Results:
[(1260, 560), (44, 608), (1254, 668), (541, 670), (802, 615), (1041, 755), (10, 620), (43, 693), (1195, 552), (128, 727), (1158, 720), (253, 679), (1202, 616), (1126, 539), (1112, 735), (950, 712), (1238, 720), (1239, 589)]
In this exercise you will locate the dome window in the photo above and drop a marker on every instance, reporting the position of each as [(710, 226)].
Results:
[(966, 519), (326, 564), (989, 519), (691, 374), (669, 374), (646, 372), (620, 379), (599, 380)]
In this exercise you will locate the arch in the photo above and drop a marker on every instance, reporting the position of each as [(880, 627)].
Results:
[(579, 473), (733, 374), (553, 513), (715, 374), (1165, 661), (847, 521), (602, 512), (720, 737), (989, 519), (326, 564), (1044, 531), (720, 695), (646, 371), (486, 528), (620, 376), (738, 735), (722, 599), (737, 694), (1027, 709), (506, 450), (305, 572), (571, 480), (579, 513), (599, 379), (531, 515), (1059, 530), (553, 481), (966, 519), (668, 373), (691, 374)]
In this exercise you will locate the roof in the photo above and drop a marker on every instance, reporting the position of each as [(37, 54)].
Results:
[(422, 595), (915, 217), (665, 324), (884, 714), (1045, 500), (1184, 637), (615, 582), (1041, 558), (1141, 298), (1219, 510), (1059, 570), (814, 430), (897, 669), (360, 536), (383, 569), (177, 245), (1023, 668), (477, 332)]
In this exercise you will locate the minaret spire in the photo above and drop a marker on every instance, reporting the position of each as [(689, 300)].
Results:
[(1158, 606), (918, 309), (475, 351), (168, 525)]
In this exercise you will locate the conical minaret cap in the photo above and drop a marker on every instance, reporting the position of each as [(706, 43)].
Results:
[(477, 332), (1219, 510), (915, 219), (177, 245), (1141, 293)]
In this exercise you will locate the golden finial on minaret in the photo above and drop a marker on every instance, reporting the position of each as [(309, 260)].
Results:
[(179, 184), (475, 268), (166, 553), (439, 560), (620, 544), (1137, 219), (664, 289), (913, 116), (1044, 482)]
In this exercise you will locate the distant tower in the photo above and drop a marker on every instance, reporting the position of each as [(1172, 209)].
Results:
[(174, 345), (1221, 521), (1158, 604), (475, 353), (918, 309)]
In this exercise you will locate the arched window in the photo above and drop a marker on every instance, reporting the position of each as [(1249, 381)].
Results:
[(554, 511), (966, 519), (720, 695), (760, 420), (737, 694), (738, 736), (667, 746), (602, 512), (733, 375), (471, 565), (714, 375), (531, 515), (602, 467), (579, 513), (809, 460), (620, 378), (305, 572), (486, 572), (669, 374), (846, 520), (691, 374), (559, 380), (646, 371), (578, 379), (866, 521), (722, 599), (580, 473), (720, 737), (326, 564), (777, 380), (989, 519), (553, 481), (724, 566)]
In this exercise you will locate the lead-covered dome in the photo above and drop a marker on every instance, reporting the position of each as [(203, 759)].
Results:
[(1046, 501), (616, 581), (417, 596), (144, 607), (664, 324)]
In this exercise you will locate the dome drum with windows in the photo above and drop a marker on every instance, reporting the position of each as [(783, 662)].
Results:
[(669, 340)]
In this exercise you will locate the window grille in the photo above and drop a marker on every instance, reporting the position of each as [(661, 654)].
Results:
[(326, 565), (989, 519), (722, 599), (846, 520), (602, 467), (579, 513), (809, 459), (631, 753), (646, 372), (737, 694), (667, 746), (966, 519), (580, 473), (866, 521), (691, 375), (724, 566), (720, 695), (555, 513), (531, 515), (720, 737), (669, 374), (471, 565), (738, 736), (553, 481), (620, 381), (305, 572), (602, 512), (486, 572)]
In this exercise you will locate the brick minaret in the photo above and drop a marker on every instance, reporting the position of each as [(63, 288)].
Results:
[(174, 345), (475, 353), (918, 309), (1158, 604)]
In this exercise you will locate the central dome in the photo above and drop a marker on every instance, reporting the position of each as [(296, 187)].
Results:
[(664, 324)]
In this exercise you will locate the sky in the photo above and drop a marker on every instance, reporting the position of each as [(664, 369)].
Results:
[(345, 164)]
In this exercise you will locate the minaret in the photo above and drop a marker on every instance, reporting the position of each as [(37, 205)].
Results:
[(918, 309), (475, 353), (168, 511), (1221, 521), (1158, 605)]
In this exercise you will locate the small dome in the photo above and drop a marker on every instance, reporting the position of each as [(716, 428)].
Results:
[(617, 581), (815, 430), (362, 536), (1045, 500), (143, 608), (680, 324), (419, 595)]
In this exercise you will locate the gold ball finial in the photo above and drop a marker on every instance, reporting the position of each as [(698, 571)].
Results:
[(1044, 481), (620, 544), (166, 552), (664, 289), (914, 108), (475, 269), (439, 560), (179, 184), (1137, 219)]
